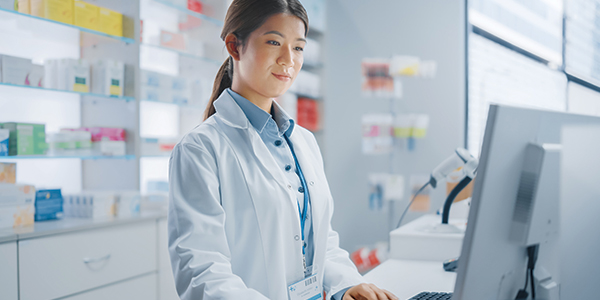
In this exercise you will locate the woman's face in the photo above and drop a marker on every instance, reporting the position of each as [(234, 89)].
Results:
[(271, 58)]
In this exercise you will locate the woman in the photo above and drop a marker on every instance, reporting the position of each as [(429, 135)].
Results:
[(250, 208)]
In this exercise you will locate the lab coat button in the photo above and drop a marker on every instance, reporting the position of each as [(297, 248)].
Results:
[(288, 167), (278, 143), (289, 186), (312, 183), (301, 189), (297, 237)]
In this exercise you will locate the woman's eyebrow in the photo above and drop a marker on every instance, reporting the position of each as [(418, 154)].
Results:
[(281, 35)]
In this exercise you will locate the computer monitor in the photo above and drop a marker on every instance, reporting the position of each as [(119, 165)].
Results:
[(493, 263)]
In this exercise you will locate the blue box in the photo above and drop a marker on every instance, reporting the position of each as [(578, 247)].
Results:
[(4, 134), (48, 205)]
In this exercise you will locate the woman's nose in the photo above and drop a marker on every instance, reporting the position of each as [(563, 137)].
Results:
[(285, 58)]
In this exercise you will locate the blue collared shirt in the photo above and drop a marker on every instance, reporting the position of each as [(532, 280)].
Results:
[(275, 130)]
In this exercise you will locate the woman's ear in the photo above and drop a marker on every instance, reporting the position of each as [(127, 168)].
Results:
[(232, 44)]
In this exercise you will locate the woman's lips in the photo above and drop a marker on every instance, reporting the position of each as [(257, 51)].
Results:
[(282, 77)]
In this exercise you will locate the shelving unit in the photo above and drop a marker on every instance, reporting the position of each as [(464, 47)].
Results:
[(84, 157), (124, 98)]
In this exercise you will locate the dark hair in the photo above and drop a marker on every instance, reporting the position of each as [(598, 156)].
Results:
[(243, 17)]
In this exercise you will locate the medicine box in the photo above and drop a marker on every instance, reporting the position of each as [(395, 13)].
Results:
[(4, 134), (78, 75), (48, 205), (108, 77), (8, 173), (128, 203), (23, 6), (15, 70), (16, 205), (85, 15), (26, 139), (110, 22), (56, 10), (36, 76)]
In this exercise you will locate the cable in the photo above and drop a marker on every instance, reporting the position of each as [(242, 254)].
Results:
[(532, 284), (450, 199), (411, 202)]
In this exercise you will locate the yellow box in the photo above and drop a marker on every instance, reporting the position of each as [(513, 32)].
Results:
[(57, 10), (23, 6), (85, 15), (110, 22)]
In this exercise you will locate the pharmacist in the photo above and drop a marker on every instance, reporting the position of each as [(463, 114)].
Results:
[(250, 208)]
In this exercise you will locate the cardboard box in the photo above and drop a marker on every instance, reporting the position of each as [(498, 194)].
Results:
[(4, 134), (26, 139), (16, 205), (8, 173), (15, 70), (23, 6), (108, 77), (78, 75), (110, 22), (111, 148), (56, 10), (36, 76), (48, 205), (86, 15)]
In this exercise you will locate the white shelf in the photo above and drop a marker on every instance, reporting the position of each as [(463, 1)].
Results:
[(127, 99)]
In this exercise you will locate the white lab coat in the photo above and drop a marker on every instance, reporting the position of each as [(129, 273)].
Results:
[(234, 228)]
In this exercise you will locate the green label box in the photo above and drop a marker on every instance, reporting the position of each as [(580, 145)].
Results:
[(26, 139)]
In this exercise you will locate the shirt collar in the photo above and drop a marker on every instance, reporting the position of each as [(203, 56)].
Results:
[(260, 118)]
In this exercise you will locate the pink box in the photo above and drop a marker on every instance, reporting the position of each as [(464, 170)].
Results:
[(105, 133)]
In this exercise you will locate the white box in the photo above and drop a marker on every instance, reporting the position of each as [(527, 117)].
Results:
[(128, 203), (424, 239), (51, 74), (108, 77), (101, 205), (16, 205), (36, 76), (113, 148), (15, 70), (78, 75)]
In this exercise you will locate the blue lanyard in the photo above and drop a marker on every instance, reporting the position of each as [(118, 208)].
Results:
[(302, 212)]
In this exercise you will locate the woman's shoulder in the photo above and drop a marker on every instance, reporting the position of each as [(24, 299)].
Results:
[(204, 136)]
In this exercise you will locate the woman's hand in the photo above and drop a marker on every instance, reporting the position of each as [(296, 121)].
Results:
[(366, 291)]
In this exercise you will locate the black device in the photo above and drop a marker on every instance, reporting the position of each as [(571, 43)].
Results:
[(451, 264), (432, 296)]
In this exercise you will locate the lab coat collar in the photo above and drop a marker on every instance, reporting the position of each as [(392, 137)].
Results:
[(230, 112)]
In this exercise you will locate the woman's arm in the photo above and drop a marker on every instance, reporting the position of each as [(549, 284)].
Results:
[(200, 255)]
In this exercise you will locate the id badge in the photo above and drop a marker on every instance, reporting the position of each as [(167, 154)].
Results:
[(306, 289)]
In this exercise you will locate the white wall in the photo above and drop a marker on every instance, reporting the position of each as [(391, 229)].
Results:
[(430, 29)]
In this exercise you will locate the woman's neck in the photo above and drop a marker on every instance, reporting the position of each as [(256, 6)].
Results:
[(261, 101)]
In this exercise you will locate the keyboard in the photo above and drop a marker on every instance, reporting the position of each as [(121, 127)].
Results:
[(432, 296)]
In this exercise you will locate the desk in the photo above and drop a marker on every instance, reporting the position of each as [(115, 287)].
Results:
[(406, 278)]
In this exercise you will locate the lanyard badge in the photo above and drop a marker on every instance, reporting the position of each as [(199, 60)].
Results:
[(306, 289)]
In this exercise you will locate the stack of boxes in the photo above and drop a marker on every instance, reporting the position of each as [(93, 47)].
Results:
[(26, 139), (171, 89), (75, 12), (102, 204), (16, 201)]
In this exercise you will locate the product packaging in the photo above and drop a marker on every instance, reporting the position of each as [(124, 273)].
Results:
[(36, 76), (308, 114), (8, 173), (128, 203), (48, 205), (110, 148), (51, 74), (23, 6), (110, 22), (106, 133), (172, 40), (57, 10), (4, 134), (16, 205), (78, 75), (108, 77), (377, 134), (90, 204), (15, 70), (26, 139), (85, 15)]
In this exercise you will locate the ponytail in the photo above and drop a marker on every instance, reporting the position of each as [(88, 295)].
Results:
[(222, 82)]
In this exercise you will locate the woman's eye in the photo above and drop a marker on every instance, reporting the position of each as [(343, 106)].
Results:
[(274, 43), (299, 49)]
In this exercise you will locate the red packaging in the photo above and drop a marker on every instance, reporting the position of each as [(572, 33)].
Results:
[(106, 134), (308, 114), (195, 5)]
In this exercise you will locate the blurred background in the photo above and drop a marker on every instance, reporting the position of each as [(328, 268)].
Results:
[(95, 94)]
